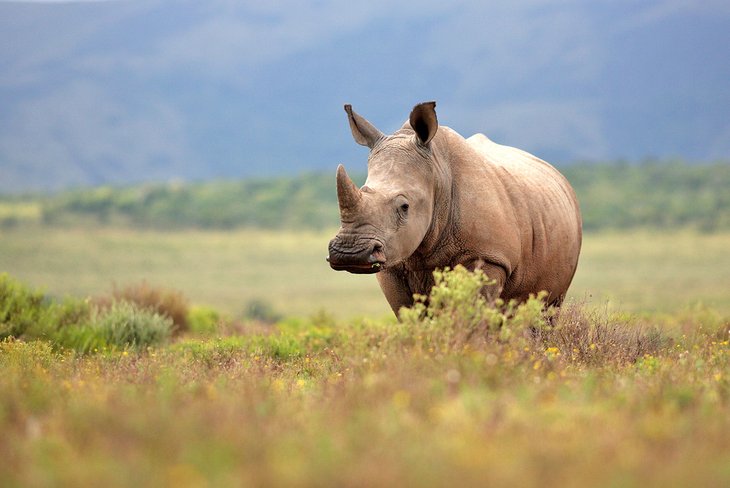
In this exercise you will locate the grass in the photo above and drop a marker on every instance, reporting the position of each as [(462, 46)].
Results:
[(226, 270), (445, 397), (643, 271), (638, 271)]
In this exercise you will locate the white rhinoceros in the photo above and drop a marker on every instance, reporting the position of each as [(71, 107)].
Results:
[(433, 199)]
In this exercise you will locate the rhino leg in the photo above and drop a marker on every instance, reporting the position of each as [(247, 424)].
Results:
[(395, 288), (494, 273)]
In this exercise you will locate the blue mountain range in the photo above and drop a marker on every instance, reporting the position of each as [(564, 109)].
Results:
[(114, 92)]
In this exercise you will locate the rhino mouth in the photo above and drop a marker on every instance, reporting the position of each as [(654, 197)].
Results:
[(357, 268), (367, 260)]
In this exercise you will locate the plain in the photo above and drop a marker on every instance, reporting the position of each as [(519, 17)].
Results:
[(635, 271), (628, 386)]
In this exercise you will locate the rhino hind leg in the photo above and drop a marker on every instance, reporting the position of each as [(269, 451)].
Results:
[(494, 272)]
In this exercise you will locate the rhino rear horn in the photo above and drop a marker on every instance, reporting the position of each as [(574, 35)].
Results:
[(364, 133), (348, 195), (424, 122)]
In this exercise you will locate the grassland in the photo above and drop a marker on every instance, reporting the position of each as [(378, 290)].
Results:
[(630, 389), (464, 396), (226, 270), (636, 271)]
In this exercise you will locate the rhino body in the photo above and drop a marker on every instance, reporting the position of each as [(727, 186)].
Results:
[(434, 199)]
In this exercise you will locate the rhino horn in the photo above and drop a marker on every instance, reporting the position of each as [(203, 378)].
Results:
[(364, 133), (348, 195)]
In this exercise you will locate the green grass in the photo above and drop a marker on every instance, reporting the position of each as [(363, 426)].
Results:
[(637, 271)]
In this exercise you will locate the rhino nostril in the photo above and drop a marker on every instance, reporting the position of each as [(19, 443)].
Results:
[(376, 255)]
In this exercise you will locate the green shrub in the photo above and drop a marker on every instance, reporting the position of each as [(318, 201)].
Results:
[(456, 313), (28, 314), (203, 320), (65, 325), (74, 324), (22, 309), (83, 339), (126, 325)]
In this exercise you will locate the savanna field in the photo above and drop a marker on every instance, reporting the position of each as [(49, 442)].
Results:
[(235, 357)]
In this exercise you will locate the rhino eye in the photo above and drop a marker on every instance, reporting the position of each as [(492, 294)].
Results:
[(402, 207)]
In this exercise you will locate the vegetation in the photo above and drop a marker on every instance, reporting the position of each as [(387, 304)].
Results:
[(659, 195), (265, 377), (655, 195), (306, 201), (71, 323), (166, 302), (574, 398)]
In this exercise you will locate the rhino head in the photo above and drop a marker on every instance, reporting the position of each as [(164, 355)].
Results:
[(385, 221)]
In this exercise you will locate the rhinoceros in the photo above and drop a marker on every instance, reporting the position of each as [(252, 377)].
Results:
[(433, 199)]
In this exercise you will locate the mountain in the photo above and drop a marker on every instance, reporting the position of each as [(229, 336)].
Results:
[(122, 91)]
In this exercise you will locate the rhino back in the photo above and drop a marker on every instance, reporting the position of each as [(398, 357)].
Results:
[(514, 207)]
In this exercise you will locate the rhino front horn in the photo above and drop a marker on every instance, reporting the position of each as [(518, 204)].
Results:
[(348, 195)]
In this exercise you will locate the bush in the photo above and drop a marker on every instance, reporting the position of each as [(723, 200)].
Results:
[(203, 320), (122, 325), (74, 324), (22, 309), (125, 325), (166, 302), (456, 313)]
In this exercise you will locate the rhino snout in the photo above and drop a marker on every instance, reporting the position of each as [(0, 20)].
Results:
[(361, 257)]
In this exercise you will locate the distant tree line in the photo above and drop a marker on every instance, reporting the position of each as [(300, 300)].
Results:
[(655, 195), (305, 201)]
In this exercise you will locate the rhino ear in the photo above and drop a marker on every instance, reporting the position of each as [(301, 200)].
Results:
[(365, 133), (424, 122)]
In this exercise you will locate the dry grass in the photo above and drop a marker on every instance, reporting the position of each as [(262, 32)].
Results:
[(370, 404), (595, 337), (458, 392)]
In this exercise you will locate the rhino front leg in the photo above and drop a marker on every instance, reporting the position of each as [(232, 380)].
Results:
[(395, 288)]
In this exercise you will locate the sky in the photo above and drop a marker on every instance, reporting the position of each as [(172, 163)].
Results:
[(125, 91)]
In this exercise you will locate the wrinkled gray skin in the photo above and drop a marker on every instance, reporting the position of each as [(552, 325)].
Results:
[(434, 199)]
